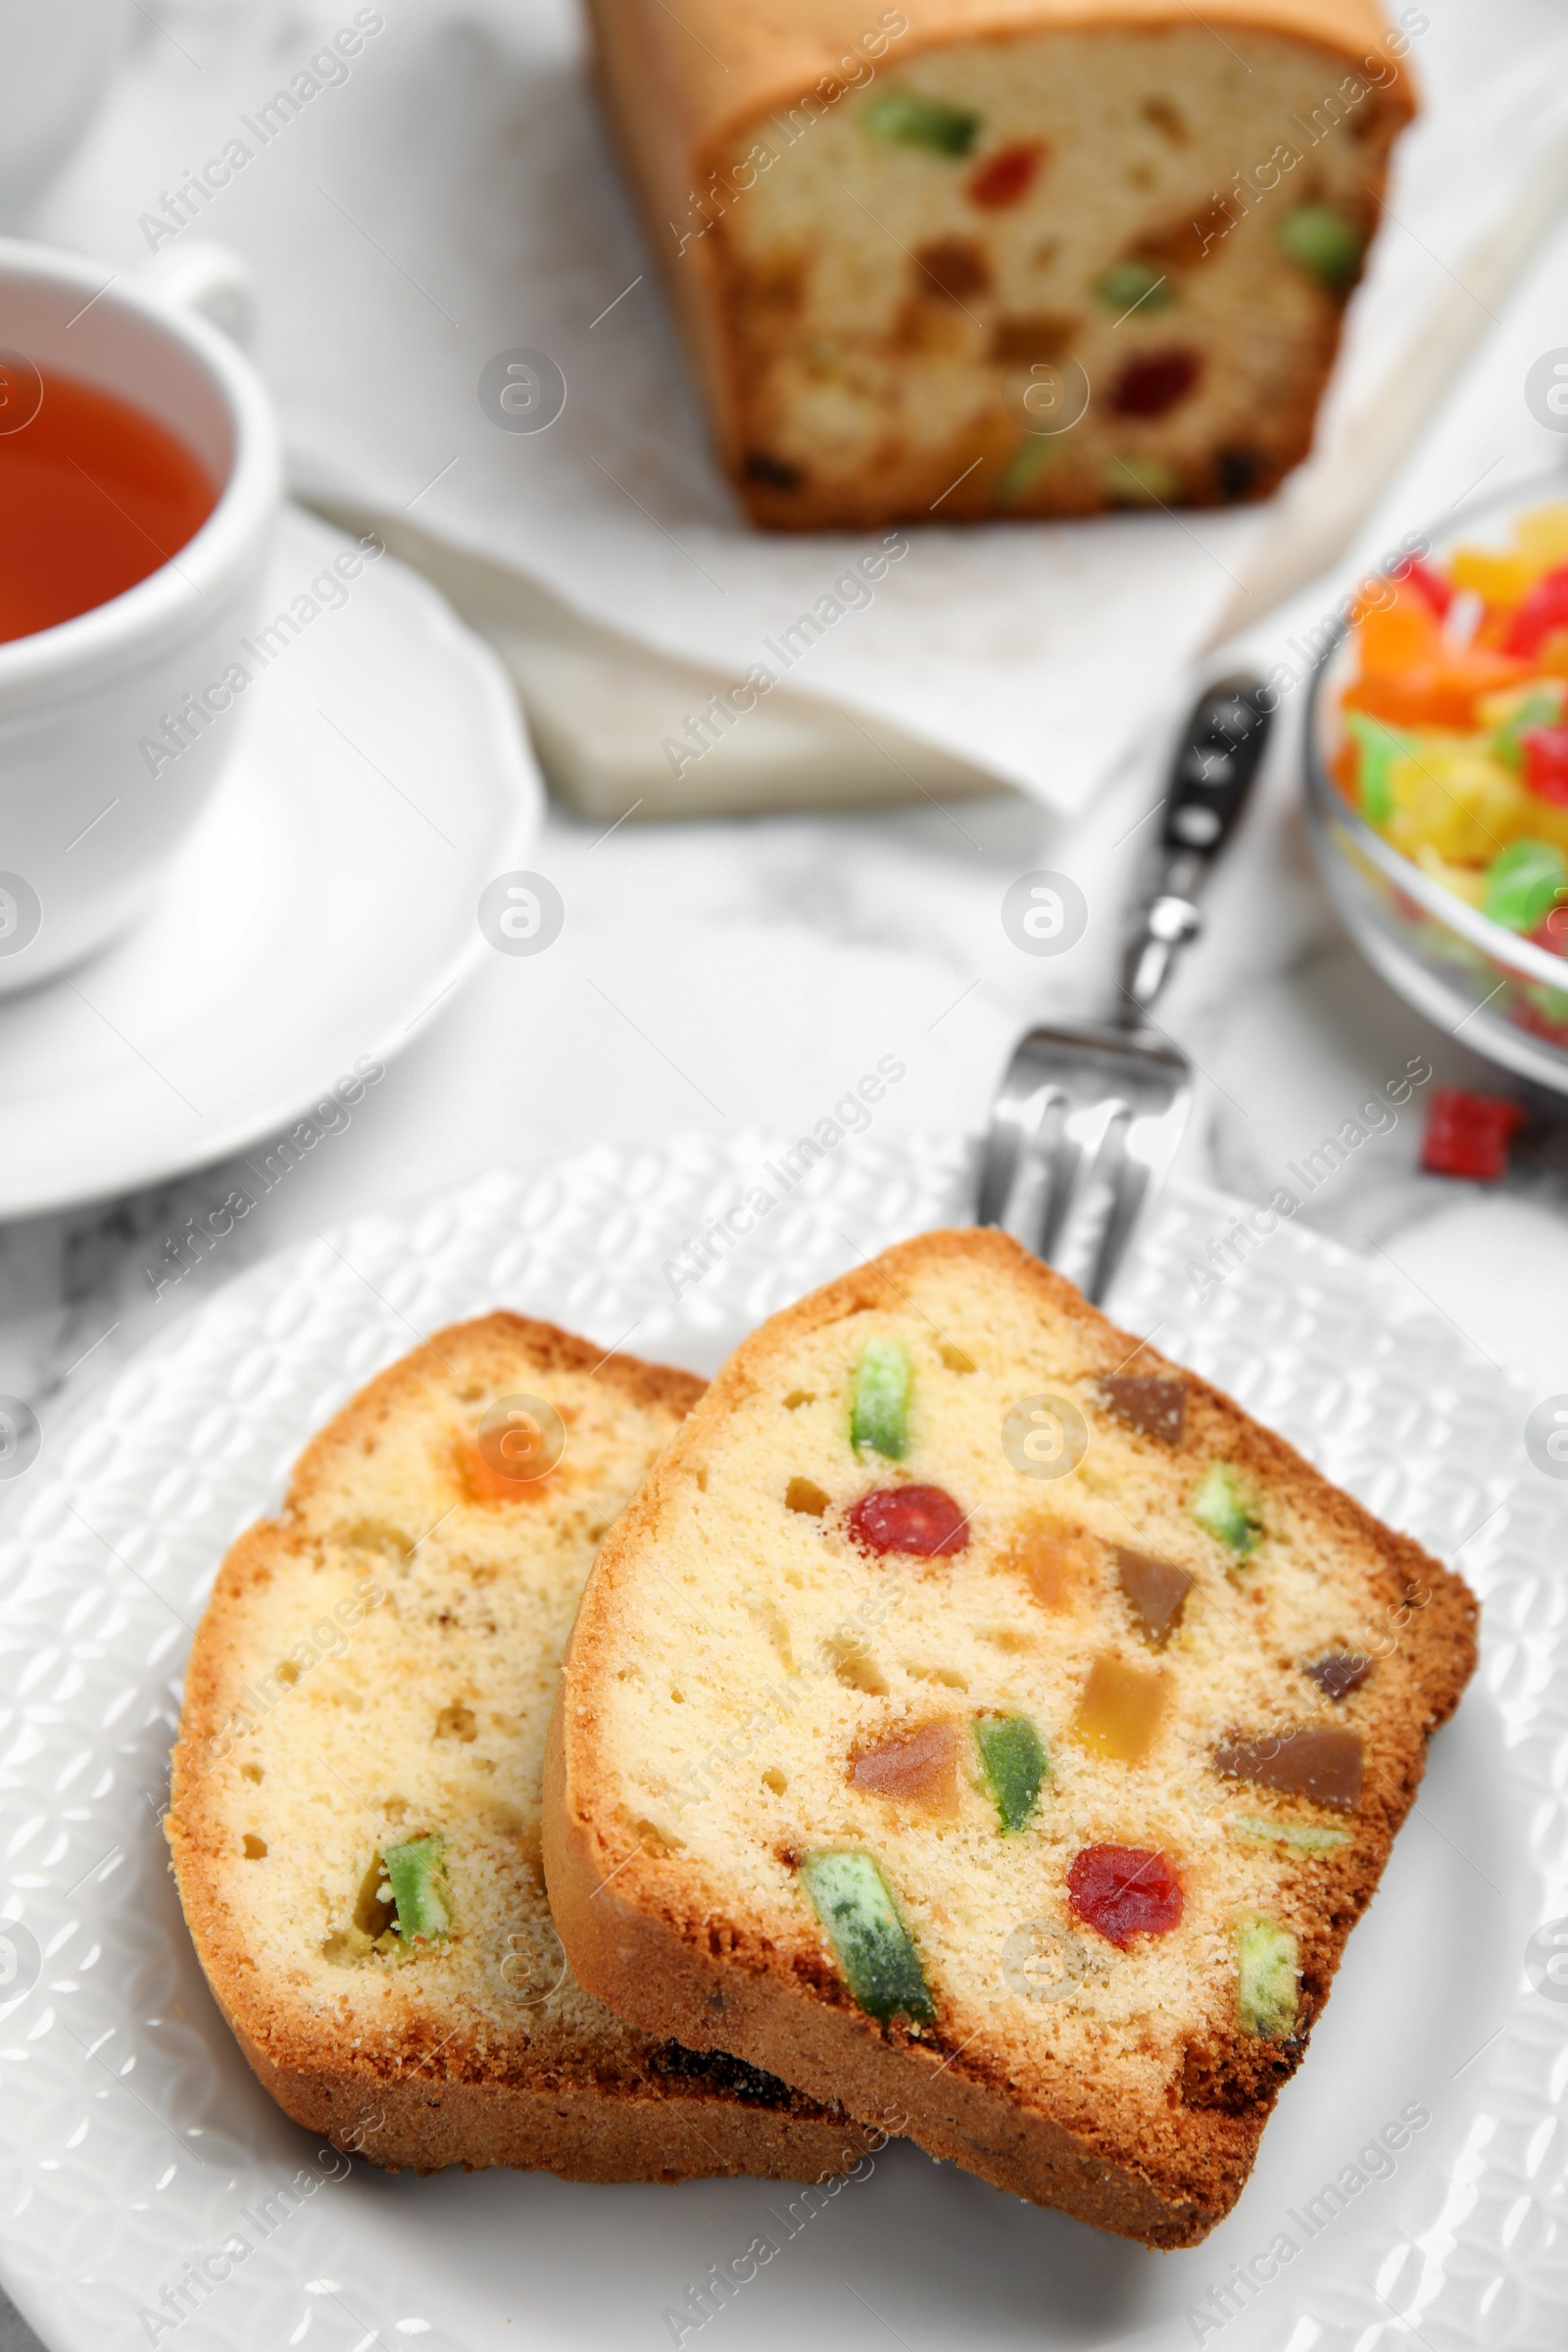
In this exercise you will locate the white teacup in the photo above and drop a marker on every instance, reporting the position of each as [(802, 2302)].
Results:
[(87, 818)]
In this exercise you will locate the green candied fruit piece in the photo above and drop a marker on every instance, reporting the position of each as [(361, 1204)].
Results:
[(1268, 1975), (1027, 464), (906, 119), (1541, 707), (1549, 1003), (1016, 1763), (1379, 747), (420, 1895), (1133, 286), (1523, 883), (1305, 1836), (1222, 1505), (1322, 242), (876, 1951), (879, 1400), (1142, 481)]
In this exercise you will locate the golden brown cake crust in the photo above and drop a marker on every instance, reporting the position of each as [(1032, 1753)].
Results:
[(621, 2107), (685, 92), (710, 72), (642, 1936)]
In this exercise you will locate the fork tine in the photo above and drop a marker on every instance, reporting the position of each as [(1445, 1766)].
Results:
[(1063, 1156), (1086, 1121), (1030, 1084), (1015, 1121), (1126, 1177)]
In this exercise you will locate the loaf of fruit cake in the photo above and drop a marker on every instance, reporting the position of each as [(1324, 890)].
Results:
[(355, 1821), (980, 1719), (969, 259)]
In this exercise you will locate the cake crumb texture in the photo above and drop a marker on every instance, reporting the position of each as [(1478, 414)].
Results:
[(373, 1676), (1045, 1835)]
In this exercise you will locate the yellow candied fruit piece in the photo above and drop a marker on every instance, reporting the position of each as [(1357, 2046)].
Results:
[(1496, 710), (1466, 882), (1119, 1711), (1548, 822), (1541, 536), (1501, 579), (1463, 805)]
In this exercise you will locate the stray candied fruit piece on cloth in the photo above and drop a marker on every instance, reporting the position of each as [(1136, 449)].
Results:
[(1468, 1134)]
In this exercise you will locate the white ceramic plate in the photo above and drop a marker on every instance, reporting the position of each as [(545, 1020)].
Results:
[(133, 2139), (326, 902)]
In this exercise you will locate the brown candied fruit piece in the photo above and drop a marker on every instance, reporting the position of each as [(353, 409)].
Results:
[(917, 1767), (1157, 1591), (1124, 1890), (805, 1495), (1034, 339), (1056, 1561), (774, 474), (1155, 1407), (951, 268), (1339, 1673), (1323, 1765), (1119, 1710)]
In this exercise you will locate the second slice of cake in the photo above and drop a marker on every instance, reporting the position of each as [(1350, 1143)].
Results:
[(981, 1720), (355, 1825)]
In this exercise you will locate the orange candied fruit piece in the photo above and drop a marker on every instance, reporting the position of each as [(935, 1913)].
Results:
[(1400, 634), (1346, 769), (1058, 1561), (483, 1482), (1119, 1710), (917, 1767), (1436, 694)]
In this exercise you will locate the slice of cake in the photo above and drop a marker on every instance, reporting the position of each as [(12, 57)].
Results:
[(981, 1720), (355, 1821), (967, 259)]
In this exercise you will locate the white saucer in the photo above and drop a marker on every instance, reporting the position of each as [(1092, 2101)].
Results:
[(324, 906)]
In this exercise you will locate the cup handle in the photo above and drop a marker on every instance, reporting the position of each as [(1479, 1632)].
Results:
[(208, 278)]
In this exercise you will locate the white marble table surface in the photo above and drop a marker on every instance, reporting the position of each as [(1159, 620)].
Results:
[(744, 973)]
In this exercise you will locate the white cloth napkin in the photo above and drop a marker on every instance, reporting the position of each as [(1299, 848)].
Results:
[(446, 192)]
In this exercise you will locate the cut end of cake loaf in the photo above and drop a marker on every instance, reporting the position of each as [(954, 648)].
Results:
[(355, 1817), (1008, 261), (981, 1719)]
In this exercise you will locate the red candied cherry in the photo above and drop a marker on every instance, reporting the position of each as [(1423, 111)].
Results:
[(1123, 1892), (923, 1521), (1468, 1134), (1429, 585), (1543, 612), (1545, 750), (1153, 384), (1006, 177)]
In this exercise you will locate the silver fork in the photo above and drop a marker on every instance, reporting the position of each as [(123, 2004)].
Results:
[(1087, 1119)]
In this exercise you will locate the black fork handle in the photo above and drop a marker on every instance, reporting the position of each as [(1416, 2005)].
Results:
[(1215, 765)]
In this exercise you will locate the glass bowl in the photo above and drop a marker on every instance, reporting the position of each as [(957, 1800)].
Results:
[(1502, 994)]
